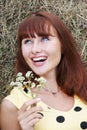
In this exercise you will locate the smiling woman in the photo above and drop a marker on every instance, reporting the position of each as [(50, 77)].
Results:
[(42, 53), (45, 31), (46, 47)]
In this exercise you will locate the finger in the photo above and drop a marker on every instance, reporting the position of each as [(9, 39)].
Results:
[(30, 120), (33, 122), (29, 103), (32, 117), (27, 113), (29, 125)]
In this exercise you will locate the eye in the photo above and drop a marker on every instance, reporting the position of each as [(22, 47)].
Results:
[(45, 38), (27, 41)]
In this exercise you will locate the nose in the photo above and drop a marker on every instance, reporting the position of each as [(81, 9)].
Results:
[(36, 47)]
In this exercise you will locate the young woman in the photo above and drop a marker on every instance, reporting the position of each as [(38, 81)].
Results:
[(46, 47)]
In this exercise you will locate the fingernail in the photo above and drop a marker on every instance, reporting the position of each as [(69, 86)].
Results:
[(38, 99)]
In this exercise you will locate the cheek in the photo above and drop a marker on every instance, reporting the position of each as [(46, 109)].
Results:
[(24, 51), (57, 53), (56, 50)]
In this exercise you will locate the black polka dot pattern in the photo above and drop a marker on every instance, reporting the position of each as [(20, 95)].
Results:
[(83, 125), (60, 119), (77, 109)]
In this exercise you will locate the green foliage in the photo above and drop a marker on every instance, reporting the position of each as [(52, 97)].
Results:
[(12, 12)]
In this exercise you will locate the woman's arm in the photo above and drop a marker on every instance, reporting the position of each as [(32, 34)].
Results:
[(23, 119), (9, 115)]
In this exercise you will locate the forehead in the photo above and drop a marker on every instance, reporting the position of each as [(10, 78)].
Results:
[(36, 25)]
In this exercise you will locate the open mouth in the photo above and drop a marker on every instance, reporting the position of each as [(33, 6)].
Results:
[(39, 59)]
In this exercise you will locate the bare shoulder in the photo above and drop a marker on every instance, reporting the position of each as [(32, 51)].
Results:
[(7, 108), (9, 116), (7, 104)]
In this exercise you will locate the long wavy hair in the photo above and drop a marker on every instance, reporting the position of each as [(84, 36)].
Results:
[(70, 74)]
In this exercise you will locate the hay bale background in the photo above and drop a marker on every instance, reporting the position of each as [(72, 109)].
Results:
[(12, 12)]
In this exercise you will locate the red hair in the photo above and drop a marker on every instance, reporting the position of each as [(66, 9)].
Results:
[(70, 73)]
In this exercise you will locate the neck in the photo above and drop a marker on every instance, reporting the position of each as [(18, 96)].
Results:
[(51, 85), (53, 92)]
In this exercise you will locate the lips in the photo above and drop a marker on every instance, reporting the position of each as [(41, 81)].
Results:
[(39, 59)]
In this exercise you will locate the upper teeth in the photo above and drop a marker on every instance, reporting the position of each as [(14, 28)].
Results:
[(39, 58)]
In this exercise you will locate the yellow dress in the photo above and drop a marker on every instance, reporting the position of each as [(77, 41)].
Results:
[(74, 119)]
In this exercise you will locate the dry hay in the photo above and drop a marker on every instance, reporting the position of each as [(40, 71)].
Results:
[(12, 12)]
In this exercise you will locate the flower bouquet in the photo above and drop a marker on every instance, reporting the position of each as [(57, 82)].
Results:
[(28, 82)]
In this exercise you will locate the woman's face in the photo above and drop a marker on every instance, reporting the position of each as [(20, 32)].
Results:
[(42, 53)]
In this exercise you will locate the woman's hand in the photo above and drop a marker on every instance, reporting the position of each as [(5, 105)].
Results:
[(28, 114)]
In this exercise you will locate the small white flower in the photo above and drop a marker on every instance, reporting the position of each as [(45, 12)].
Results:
[(19, 74), (28, 74), (33, 85), (27, 83), (39, 86), (20, 79), (18, 84), (41, 80), (36, 79), (12, 84), (24, 83)]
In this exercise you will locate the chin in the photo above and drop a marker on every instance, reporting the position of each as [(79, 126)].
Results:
[(41, 74)]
